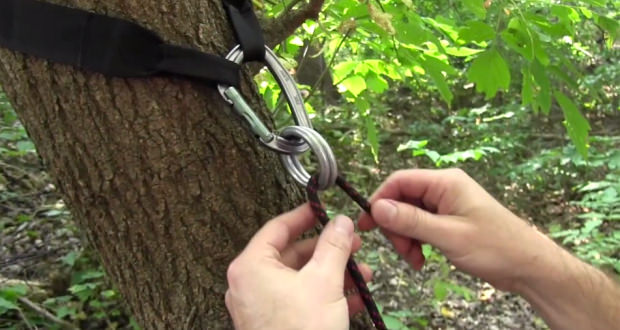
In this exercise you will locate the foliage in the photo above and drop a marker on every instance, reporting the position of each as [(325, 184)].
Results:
[(536, 48), (597, 238), (15, 141), (496, 87), (88, 302)]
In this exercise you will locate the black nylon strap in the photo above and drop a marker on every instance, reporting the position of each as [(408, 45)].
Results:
[(103, 44), (247, 29)]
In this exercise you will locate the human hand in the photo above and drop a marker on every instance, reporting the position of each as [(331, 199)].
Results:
[(449, 210), (280, 283)]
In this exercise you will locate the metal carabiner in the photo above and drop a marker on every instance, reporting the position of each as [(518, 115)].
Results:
[(290, 91), (328, 168)]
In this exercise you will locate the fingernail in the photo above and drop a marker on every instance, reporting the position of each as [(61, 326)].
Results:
[(386, 209), (343, 225)]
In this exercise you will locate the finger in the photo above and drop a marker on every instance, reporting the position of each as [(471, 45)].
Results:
[(355, 304), (278, 232), (333, 248), (408, 248), (429, 186), (412, 222), (298, 254), (366, 222)]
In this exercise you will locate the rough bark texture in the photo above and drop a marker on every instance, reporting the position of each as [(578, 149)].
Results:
[(161, 176)]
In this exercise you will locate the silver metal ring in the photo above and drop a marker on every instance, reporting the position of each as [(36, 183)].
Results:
[(290, 91), (328, 168)]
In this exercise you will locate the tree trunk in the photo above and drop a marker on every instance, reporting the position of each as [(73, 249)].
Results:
[(161, 176)]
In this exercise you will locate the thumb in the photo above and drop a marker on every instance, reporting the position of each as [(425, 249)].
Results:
[(334, 247), (413, 222)]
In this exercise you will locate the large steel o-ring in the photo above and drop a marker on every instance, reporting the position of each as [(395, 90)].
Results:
[(328, 168)]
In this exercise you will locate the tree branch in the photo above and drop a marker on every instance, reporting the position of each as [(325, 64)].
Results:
[(279, 28), (43, 312)]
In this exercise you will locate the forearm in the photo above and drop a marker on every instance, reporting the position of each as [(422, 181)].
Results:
[(569, 294)]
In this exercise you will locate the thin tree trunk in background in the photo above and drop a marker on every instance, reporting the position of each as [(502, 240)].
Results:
[(162, 178)]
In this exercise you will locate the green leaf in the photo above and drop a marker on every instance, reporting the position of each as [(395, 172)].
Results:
[(355, 85), (435, 69), (591, 225), (610, 25), (63, 311), (362, 105), (393, 323), (462, 51), (476, 31), (14, 291), (444, 25), (598, 3), (69, 258), (25, 146), (543, 98), (564, 76), (7, 305), (527, 88), (576, 125), (567, 15), (440, 289), (343, 69), (412, 144), (296, 40), (376, 83), (81, 277), (520, 38), (476, 7), (490, 73), (373, 139)]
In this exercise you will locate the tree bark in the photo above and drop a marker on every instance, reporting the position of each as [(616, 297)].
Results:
[(161, 176)]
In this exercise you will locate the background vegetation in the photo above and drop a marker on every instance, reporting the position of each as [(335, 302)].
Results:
[(521, 94)]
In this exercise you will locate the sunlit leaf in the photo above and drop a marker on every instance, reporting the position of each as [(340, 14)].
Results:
[(355, 85), (462, 51), (412, 144), (296, 40)]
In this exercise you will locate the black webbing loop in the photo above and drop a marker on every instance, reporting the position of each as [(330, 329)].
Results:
[(103, 44), (247, 29)]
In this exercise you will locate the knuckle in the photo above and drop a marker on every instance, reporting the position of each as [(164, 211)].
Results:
[(234, 273), (412, 217), (228, 300), (398, 175), (456, 172), (340, 243)]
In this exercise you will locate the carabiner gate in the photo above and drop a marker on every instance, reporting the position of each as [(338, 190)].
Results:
[(290, 91)]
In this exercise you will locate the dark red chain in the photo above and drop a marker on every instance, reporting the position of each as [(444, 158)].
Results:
[(356, 275)]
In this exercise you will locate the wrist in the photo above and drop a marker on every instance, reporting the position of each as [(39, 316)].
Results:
[(546, 262)]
